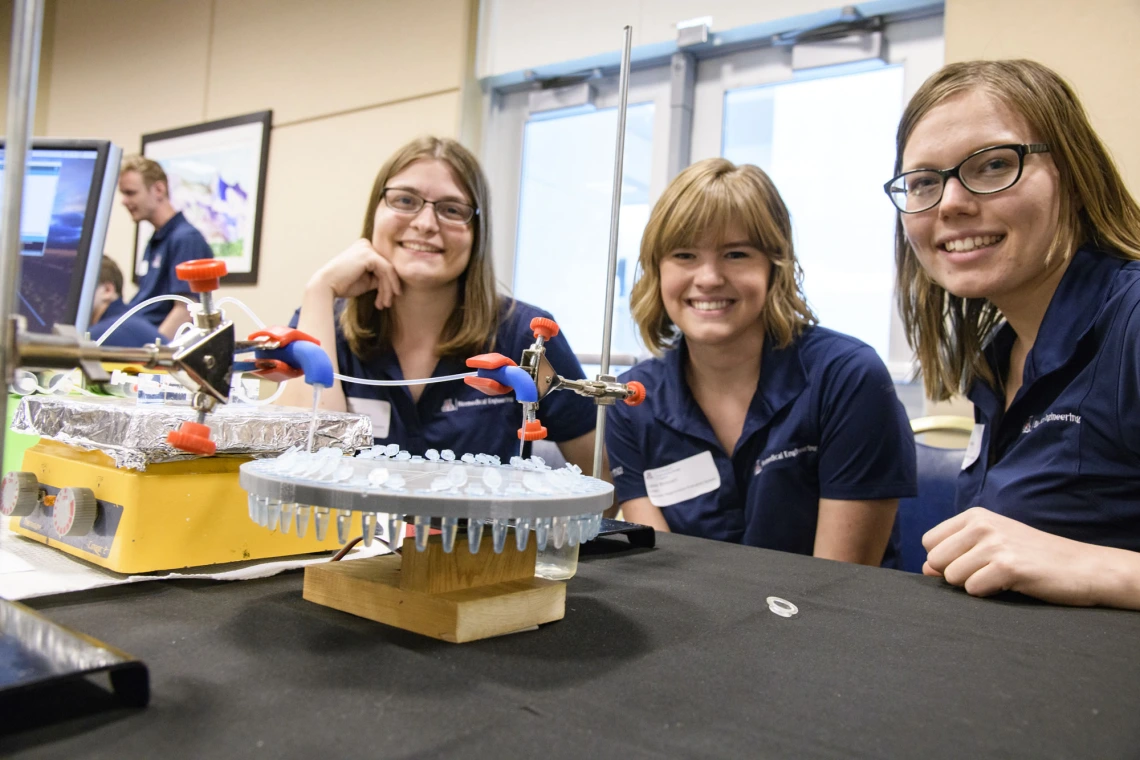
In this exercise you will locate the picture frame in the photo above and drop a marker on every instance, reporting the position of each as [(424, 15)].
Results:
[(216, 173)]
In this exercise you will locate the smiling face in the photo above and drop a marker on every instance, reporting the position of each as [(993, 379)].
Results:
[(715, 291), (140, 201), (984, 246), (424, 251)]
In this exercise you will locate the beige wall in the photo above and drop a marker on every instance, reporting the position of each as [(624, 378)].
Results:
[(348, 82), (1095, 44)]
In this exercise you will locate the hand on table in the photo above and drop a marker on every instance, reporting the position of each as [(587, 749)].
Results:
[(986, 553), (359, 269)]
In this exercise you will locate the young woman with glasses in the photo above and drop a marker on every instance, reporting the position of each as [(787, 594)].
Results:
[(1019, 285), (759, 427), (414, 298)]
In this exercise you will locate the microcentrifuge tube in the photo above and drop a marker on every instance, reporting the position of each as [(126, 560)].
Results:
[(288, 511), (468, 458), (321, 522), (342, 525), (558, 532), (403, 456), (303, 513), (368, 527), (474, 535), (392, 449), (499, 533), (457, 476), (522, 531), (447, 455), (274, 514), (395, 531), (252, 501), (423, 529), (448, 527), (263, 511), (492, 479), (431, 455), (573, 531), (541, 529)]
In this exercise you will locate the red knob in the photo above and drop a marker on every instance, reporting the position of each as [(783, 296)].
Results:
[(192, 438), (533, 431), (544, 328), (202, 274), (637, 393)]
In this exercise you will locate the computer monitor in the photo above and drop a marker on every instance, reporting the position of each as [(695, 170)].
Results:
[(69, 188)]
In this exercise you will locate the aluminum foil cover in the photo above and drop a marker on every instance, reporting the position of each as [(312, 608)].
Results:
[(135, 435)]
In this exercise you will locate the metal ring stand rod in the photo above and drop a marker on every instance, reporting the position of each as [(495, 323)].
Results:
[(611, 267), (27, 29)]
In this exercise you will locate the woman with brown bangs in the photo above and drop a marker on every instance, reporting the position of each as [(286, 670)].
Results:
[(413, 298), (759, 427), (1019, 285)]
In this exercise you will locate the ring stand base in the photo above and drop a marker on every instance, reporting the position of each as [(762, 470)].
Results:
[(456, 597)]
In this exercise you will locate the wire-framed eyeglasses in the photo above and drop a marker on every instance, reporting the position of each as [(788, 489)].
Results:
[(406, 202), (987, 171)]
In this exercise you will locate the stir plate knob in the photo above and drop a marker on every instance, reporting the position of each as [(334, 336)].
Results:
[(19, 494), (75, 511)]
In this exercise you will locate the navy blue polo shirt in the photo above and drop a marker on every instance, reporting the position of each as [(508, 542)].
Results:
[(1065, 457), (136, 331), (174, 243), (824, 423), (455, 416)]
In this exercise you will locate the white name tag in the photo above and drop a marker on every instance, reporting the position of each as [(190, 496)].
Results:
[(144, 267), (682, 480), (974, 447), (379, 411)]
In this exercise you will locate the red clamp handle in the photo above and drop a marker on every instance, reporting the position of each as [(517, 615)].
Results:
[(275, 371), (638, 394), (202, 274), (283, 336), (192, 437), (488, 386), (489, 361), (544, 328), (532, 431)]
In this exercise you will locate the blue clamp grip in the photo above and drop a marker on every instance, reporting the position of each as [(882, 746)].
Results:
[(514, 377), (305, 356)]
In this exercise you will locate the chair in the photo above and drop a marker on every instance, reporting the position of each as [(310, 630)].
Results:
[(938, 469)]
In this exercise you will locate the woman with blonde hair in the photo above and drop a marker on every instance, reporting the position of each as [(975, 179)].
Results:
[(759, 427), (413, 298), (1019, 285)]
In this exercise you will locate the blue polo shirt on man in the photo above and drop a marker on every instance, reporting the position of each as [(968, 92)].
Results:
[(174, 243), (824, 423), (453, 415), (134, 332), (1065, 457)]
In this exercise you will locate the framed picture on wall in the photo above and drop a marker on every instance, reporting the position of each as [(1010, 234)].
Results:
[(216, 173)]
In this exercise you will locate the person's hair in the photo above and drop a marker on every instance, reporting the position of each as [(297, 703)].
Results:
[(712, 195), (948, 332), (109, 272), (472, 325), (150, 171)]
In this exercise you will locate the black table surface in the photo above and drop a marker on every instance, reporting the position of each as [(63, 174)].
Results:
[(664, 652)]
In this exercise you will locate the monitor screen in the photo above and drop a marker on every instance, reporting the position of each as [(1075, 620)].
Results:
[(69, 187)]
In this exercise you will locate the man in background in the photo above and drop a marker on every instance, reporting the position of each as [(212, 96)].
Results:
[(108, 306), (146, 195)]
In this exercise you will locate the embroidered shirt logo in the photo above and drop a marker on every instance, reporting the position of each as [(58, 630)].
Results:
[(781, 455), (454, 405), (1033, 423)]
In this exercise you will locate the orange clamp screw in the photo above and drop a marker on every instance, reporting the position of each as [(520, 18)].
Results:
[(202, 274), (193, 438), (533, 431), (544, 328), (637, 393)]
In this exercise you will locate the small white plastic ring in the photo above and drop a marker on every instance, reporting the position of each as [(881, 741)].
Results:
[(782, 607)]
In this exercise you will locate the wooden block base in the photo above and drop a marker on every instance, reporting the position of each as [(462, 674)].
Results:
[(371, 588)]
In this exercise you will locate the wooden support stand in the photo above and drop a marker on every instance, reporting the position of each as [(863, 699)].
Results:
[(455, 597)]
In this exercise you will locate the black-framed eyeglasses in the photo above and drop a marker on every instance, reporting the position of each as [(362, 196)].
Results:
[(987, 171), (407, 202)]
